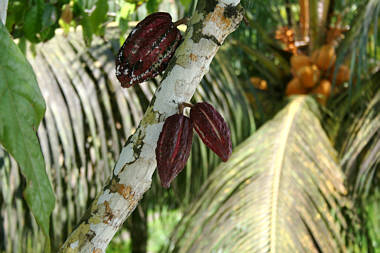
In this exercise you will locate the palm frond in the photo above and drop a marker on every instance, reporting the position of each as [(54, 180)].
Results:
[(355, 43), (281, 191), (272, 72), (361, 151), (84, 128), (87, 121)]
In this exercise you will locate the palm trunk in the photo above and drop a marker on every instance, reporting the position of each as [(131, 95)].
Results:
[(318, 22), (304, 19), (138, 227), (288, 13), (314, 28)]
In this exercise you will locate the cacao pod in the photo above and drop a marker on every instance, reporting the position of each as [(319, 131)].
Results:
[(147, 50), (173, 147), (212, 129)]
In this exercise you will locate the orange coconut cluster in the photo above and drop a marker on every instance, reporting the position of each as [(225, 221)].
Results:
[(287, 36), (259, 83), (314, 74)]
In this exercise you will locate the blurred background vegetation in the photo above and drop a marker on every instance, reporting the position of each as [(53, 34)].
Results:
[(304, 175)]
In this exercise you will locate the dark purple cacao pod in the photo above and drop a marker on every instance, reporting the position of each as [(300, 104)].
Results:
[(147, 50), (212, 129), (173, 147)]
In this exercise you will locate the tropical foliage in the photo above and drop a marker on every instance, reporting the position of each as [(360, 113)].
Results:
[(242, 212), (306, 181), (273, 194), (23, 110)]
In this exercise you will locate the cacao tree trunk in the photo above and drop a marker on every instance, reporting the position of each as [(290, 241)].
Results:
[(210, 24), (3, 10)]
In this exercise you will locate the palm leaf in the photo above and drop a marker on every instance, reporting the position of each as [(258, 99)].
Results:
[(281, 191), (367, 12), (360, 161), (356, 40), (272, 72), (87, 121), (361, 151)]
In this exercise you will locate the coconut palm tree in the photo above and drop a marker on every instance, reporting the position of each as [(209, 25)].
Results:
[(306, 180)]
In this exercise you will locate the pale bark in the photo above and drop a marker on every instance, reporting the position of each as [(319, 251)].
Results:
[(211, 23), (3, 10)]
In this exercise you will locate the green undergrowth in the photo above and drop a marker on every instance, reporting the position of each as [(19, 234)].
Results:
[(160, 226)]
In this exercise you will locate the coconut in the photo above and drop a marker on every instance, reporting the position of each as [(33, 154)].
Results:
[(299, 61), (309, 76), (325, 57), (295, 87), (323, 91)]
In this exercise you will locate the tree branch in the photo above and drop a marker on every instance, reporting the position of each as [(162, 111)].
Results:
[(211, 23), (3, 11)]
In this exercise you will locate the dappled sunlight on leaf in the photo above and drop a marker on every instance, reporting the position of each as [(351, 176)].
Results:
[(276, 193)]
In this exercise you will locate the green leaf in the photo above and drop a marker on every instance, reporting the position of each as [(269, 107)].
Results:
[(138, 2), (123, 18), (49, 16), (186, 3), (281, 191), (274, 73), (126, 9), (92, 23), (152, 5), (99, 16), (47, 34), (87, 29), (15, 14), (22, 109), (22, 45), (48, 22), (32, 24)]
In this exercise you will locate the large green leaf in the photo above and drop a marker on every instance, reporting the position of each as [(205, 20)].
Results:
[(32, 24), (22, 109), (281, 191), (92, 21)]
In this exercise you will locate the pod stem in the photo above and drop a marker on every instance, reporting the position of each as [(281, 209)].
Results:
[(245, 20), (182, 106), (182, 21)]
